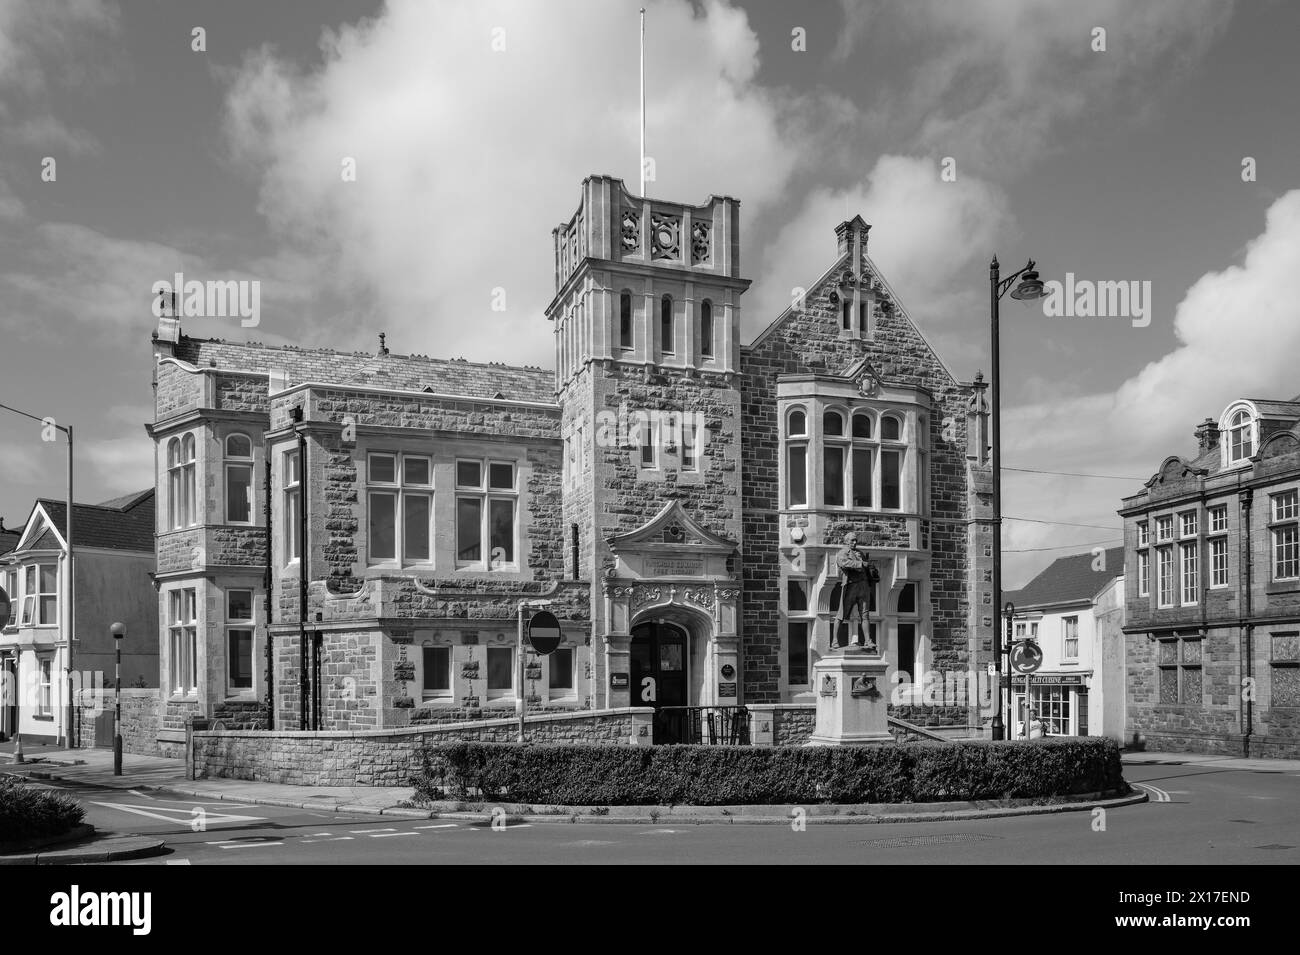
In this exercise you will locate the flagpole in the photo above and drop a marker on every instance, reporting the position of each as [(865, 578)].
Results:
[(643, 101)]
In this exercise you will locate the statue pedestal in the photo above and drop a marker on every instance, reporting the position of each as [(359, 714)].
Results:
[(852, 695)]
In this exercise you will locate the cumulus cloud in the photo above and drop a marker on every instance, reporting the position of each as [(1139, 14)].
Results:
[(465, 159), (1237, 331)]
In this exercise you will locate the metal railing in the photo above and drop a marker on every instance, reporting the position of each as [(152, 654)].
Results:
[(710, 725)]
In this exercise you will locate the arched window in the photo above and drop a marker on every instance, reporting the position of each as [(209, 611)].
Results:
[(796, 458), (625, 319), (239, 479), (846, 312), (666, 324), (180, 482), (862, 425), (706, 329), (908, 658), (797, 424), (891, 429), (1241, 436), (834, 459)]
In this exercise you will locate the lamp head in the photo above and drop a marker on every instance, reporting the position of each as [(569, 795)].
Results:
[(118, 630), (1030, 285)]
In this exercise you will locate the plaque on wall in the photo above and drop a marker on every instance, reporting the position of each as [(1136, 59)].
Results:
[(619, 681), (726, 690)]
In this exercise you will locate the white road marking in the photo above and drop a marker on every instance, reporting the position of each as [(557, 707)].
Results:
[(184, 815), (136, 792), (244, 845), (329, 839), (177, 862), (659, 832), (389, 835), (444, 825), (366, 832), (1157, 794)]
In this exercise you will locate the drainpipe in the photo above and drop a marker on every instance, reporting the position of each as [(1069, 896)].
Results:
[(574, 529), (303, 687), (266, 589), (1248, 630)]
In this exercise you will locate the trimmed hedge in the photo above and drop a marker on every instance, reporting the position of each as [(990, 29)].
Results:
[(27, 813), (574, 775)]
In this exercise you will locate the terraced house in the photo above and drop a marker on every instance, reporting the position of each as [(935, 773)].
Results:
[(1212, 551), (676, 494)]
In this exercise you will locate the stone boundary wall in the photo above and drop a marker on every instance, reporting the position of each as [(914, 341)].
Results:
[(140, 708), (391, 757)]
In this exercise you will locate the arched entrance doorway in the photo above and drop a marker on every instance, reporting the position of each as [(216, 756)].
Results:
[(659, 665)]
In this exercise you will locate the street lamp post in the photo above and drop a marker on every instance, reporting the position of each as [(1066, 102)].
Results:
[(119, 631), (72, 578), (1030, 287)]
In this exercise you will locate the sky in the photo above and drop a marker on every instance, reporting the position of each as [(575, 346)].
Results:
[(1153, 142)]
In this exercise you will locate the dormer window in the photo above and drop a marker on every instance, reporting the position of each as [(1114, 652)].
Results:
[(1239, 437)]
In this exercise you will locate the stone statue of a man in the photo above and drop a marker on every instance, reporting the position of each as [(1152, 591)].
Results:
[(857, 577)]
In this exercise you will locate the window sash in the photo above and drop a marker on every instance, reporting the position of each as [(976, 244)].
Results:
[(1218, 519), (1187, 524), (1143, 574), (1286, 506), (1190, 564), (1165, 589), (891, 483), (1164, 528), (1219, 562), (834, 475), (500, 671), (239, 657), (239, 494), (1143, 534), (1286, 552), (863, 477), (437, 671), (796, 484), (560, 671), (45, 687), (1070, 638), (797, 652)]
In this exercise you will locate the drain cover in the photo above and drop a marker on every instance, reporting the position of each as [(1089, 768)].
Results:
[(944, 839)]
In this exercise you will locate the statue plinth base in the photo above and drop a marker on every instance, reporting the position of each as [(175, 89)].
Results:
[(852, 696)]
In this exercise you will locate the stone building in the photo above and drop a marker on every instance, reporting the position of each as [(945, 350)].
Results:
[(677, 495), (1212, 553)]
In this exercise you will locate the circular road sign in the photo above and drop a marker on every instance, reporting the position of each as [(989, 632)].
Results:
[(1026, 656), (543, 632)]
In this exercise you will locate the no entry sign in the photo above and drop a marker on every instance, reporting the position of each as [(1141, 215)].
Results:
[(543, 632)]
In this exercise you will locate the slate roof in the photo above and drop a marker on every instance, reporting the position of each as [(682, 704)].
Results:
[(8, 538), (454, 376), (124, 523), (1068, 580)]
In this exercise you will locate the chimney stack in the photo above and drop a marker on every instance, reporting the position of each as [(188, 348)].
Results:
[(1207, 435)]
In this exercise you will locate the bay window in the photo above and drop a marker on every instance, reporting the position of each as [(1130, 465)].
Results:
[(40, 595)]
